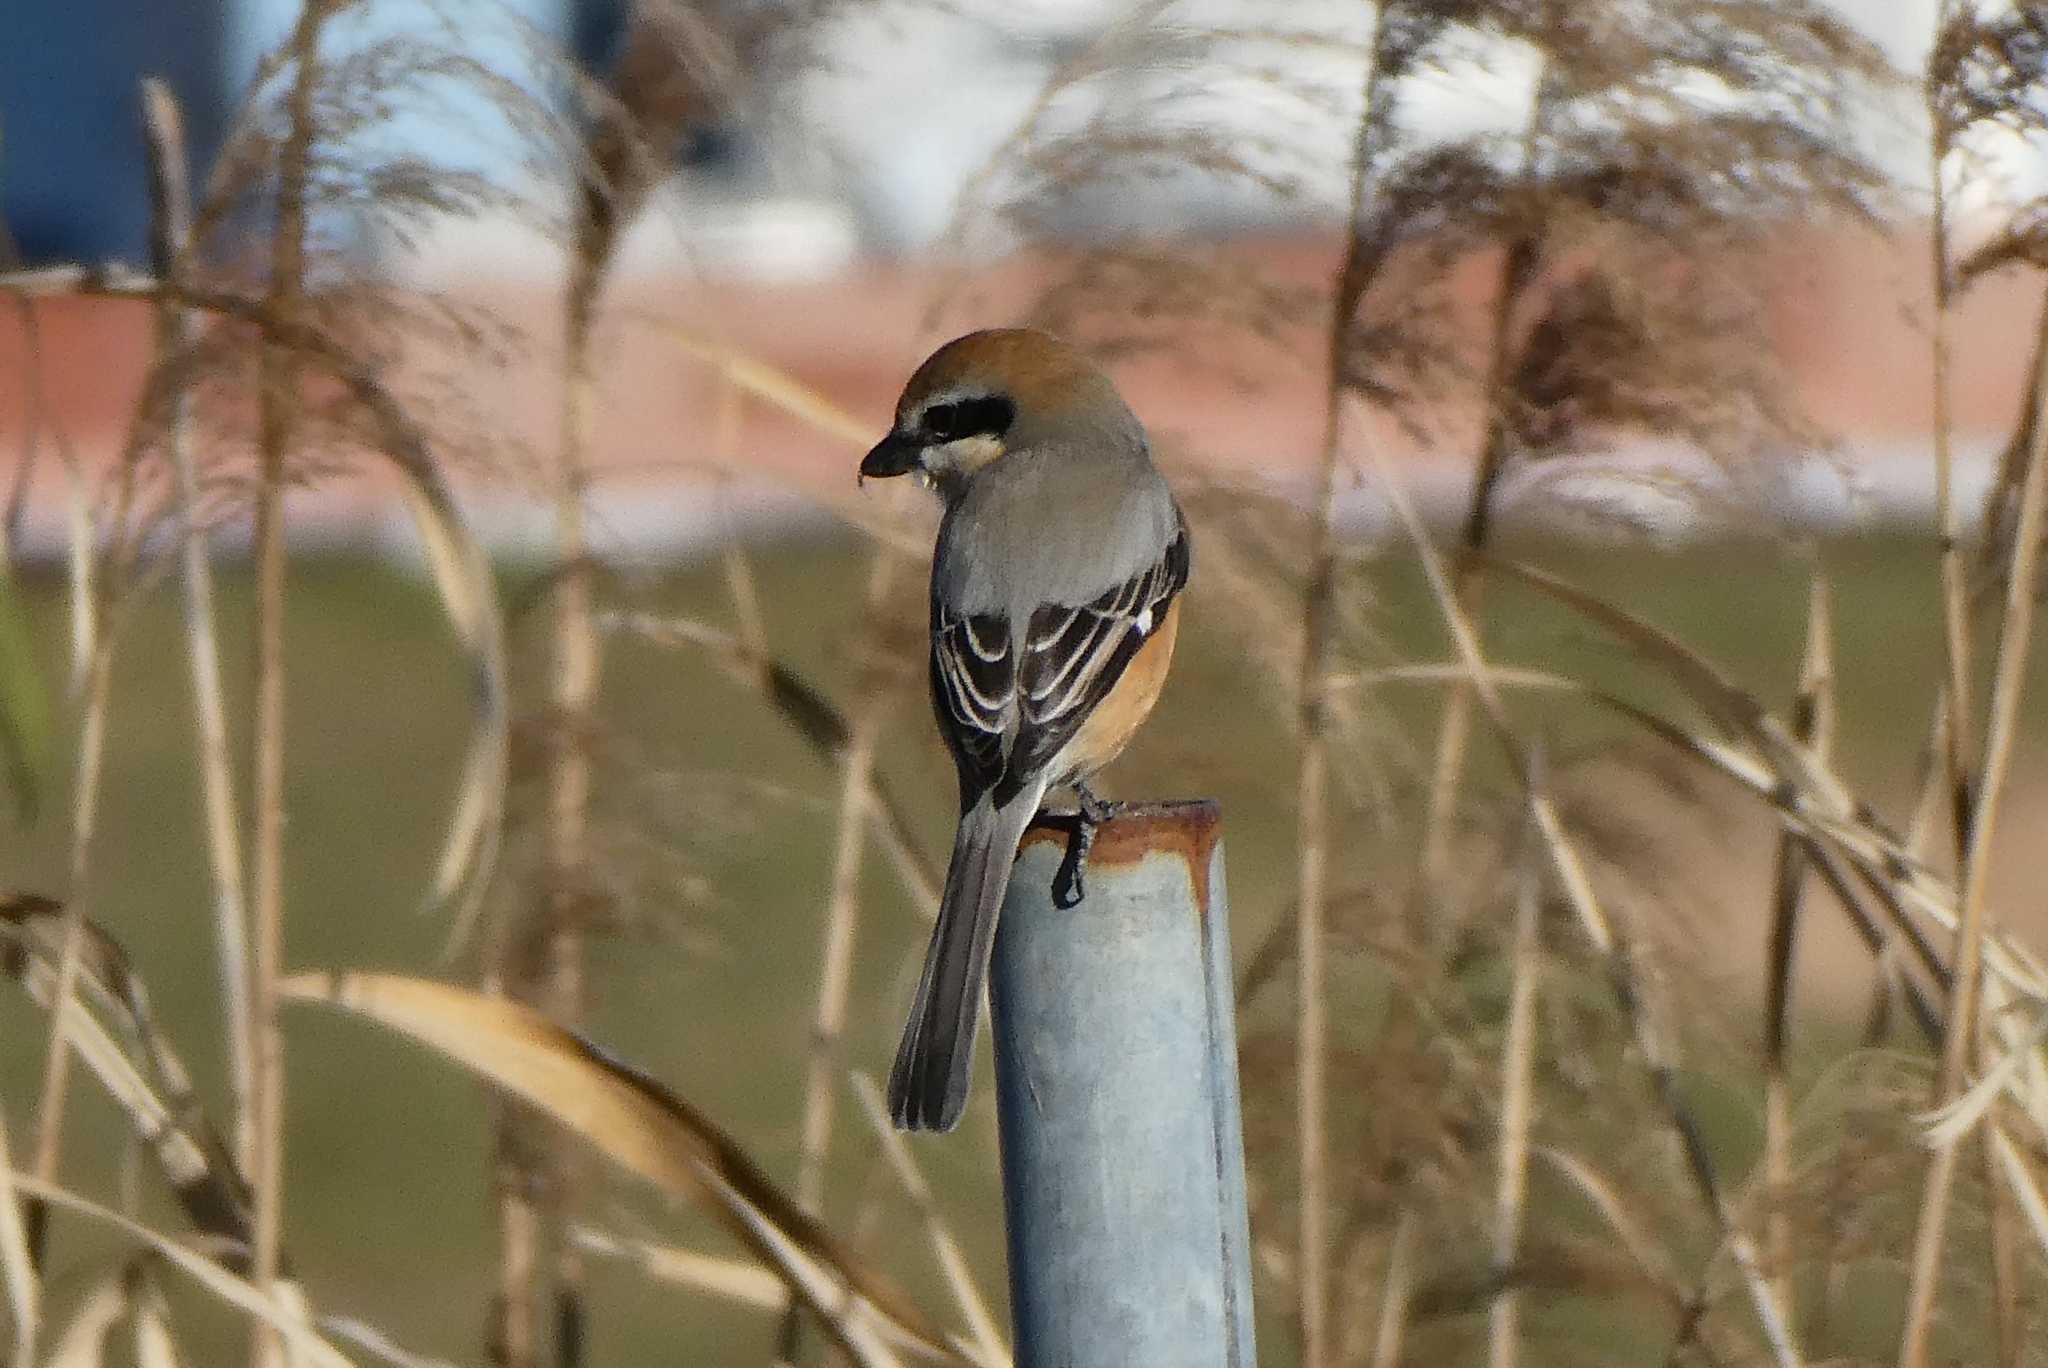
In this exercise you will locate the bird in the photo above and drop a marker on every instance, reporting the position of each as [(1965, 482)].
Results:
[(1055, 601)]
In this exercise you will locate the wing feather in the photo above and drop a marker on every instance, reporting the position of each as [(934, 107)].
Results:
[(1008, 700)]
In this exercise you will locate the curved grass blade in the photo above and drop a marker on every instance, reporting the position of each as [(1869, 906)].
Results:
[(461, 572), (1770, 761), (281, 1313), (82, 1343), (23, 1296), (115, 1034), (1653, 1260), (376, 1343), (743, 1284), (1736, 710), (154, 1346), (989, 1349), (788, 395), (644, 1128), (1578, 892), (1766, 759)]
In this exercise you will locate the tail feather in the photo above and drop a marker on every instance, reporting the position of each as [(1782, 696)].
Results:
[(928, 1085)]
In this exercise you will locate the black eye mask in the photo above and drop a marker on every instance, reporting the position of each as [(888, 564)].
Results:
[(986, 417)]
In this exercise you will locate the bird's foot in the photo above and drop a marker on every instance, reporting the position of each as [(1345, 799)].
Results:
[(1096, 810), (1068, 885)]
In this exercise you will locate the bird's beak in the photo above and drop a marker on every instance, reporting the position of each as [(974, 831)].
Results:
[(893, 455)]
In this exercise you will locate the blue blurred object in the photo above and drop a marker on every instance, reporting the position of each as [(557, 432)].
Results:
[(72, 182)]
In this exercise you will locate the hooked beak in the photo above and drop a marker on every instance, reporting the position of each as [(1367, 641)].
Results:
[(893, 455)]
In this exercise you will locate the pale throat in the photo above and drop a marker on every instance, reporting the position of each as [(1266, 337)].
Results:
[(947, 468)]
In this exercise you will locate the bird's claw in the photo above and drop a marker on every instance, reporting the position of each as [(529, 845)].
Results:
[(1067, 884), (1096, 810), (1068, 881)]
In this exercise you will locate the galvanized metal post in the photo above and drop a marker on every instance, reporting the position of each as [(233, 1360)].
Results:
[(1117, 1099)]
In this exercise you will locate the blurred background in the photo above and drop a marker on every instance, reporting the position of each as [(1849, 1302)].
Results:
[(821, 216), (1711, 400), (857, 160)]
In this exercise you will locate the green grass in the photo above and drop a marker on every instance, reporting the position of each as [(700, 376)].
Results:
[(387, 1205)]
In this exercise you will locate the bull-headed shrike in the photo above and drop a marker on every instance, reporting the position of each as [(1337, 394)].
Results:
[(1054, 603)]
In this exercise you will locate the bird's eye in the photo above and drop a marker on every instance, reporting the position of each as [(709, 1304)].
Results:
[(985, 417)]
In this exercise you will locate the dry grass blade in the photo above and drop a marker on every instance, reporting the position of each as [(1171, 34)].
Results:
[(150, 1319), (1955, 613), (1652, 1259), (645, 1129), (1873, 849), (1570, 871), (786, 394), (1572, 879), (842, 902), (82, 1342), (1518, 1057), (2022, 1183), (1395, 1290), (747, 1284), (460, 569), (1812, 725), (278, 1314), (2004, 1207), (1519, 258), (856, 761), (814, 717), (991, 1352), (1313, 696), (1727, 705), (79, 578), (1978, 822), (770, 384), (462, 574), (1880, 860), (143, 1076), (376, 1343), (1952, 1120), (23, 1302), (280, 402), (171, 211), (1451, 672), (1773, 765), (92, 664)]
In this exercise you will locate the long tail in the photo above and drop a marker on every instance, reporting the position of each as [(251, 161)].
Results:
[(934, 1064)]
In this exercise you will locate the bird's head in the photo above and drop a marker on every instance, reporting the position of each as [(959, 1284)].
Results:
[(993, 394)]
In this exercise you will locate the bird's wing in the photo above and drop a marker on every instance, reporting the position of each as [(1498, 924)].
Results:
[(1007, 701), (974, 692)]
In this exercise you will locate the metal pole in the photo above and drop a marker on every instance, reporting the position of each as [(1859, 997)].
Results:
[(1117, 1100)]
